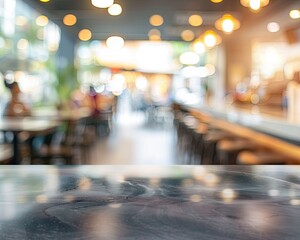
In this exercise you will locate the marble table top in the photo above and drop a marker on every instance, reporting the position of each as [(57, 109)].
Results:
[(150, 202)]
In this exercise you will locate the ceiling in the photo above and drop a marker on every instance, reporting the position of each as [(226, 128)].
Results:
[(133, 23)]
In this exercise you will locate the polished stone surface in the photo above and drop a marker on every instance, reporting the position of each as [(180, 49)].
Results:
[(150, 202)]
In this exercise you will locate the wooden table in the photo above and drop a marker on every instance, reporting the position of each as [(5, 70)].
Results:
[(150, 202), (69, 117), (31, 125), (62, 115)]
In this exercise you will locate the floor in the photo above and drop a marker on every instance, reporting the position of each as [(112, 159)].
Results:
[(136, 140)]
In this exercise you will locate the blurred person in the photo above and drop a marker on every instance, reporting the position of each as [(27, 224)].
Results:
[(15, 107), (93, 97), (102, 106)]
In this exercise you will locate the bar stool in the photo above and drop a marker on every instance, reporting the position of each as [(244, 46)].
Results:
[(198, 144), (228, 149), (260, 158), (190, 125), (180, 127), (210, 145), (6, 153)]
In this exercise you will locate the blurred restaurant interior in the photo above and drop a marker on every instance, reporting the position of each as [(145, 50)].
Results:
[(170, 82), (131, 119)]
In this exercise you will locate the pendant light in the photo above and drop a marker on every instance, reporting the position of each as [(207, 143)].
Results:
[(255, 5), (211, 39), (102, 3), (227, 23)]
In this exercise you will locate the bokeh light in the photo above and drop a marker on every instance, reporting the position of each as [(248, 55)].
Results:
[(211, 39), (187, 35), (21, 21), (156, 20), (295, 14), (22, 44), (254, 5), (154, 35), (195, 20), (70, 20), (227, 23), (102, 3), (273, 27), (115, 10), (115, 42), (198, 46), (189, 58), (85, 35), (42, 21)]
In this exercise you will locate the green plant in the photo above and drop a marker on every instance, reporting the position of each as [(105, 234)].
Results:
[(66, 82)]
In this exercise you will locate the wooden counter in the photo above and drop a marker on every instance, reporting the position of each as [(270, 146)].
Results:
[(274, 131)]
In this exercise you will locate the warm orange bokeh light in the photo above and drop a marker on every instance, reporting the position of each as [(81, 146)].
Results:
[(187, 35), (70, 20), (195, 20), (254, 5), (154, 35), (227, 23), (211, 39), (156, 20), (85, 35)]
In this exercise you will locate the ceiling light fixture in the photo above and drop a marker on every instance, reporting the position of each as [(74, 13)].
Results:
[(85, 35), (216, 1), (198, 46), (273, 27), (227, 23), (195, 20), (154, 35), (156, 20), (187, 35), (211, 39), (102, 3), (254, 5), (115, 10), (115, 42), (295, 14), (70, 20)]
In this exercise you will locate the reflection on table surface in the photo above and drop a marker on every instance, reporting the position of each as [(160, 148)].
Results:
[(63, 115), (148, 202), (26, 124)]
